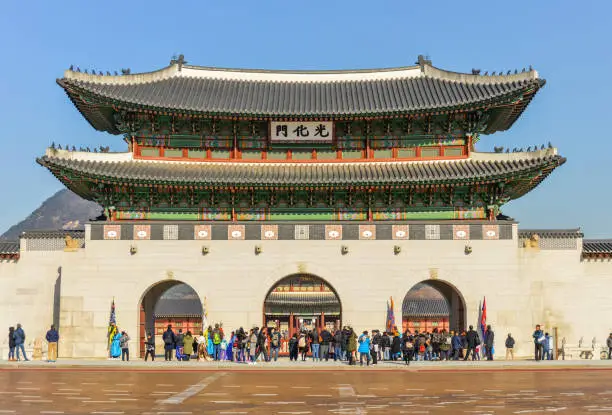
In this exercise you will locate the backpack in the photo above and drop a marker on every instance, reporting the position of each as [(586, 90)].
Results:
[(216, 337), (302, 342), (422, 348), (275, 339)]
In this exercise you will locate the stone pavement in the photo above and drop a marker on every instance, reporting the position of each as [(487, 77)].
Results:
[(93, 390), (285, 364)]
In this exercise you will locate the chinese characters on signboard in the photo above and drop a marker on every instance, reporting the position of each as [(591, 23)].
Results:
[(301, 132)]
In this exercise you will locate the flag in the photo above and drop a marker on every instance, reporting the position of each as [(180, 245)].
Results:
[(390, 316), (483, 317), (112, 324)]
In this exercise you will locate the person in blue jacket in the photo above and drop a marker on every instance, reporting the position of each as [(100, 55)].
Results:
[(19, 336), (456, 345), (364, 347)]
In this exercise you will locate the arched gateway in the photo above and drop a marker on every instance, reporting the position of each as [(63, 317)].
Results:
[(433, 304), (168, 302), (302, 301)]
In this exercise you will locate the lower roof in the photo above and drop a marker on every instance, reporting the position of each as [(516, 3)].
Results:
[(123, 168)]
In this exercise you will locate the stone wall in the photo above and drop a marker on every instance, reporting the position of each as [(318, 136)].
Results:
[(523, 286)]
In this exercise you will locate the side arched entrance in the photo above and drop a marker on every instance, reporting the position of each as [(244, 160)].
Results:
[(168, 302), (432, 304), (302, 302)]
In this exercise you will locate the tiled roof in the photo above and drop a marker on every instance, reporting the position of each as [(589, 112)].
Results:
[(282, 303), (550, 233), (53, 234), (9, 248), (477, 168), (199, 90), (170, 307), (597, 247), (425, 307)]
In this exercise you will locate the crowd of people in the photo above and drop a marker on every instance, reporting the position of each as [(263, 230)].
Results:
[(346, 345), (16, 342), (251, 346)]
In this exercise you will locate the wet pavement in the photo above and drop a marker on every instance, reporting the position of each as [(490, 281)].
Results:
[(173, 391)]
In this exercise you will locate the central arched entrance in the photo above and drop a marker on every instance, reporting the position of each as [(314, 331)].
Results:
[(302, 302), (433, 304), (169, 302)]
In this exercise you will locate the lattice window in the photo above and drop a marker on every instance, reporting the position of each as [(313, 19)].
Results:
[(432, 231), (49, 244), (170, 232), (553, 243), (302, 231)]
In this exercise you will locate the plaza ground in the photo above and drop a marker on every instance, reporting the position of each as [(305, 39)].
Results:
[(103, 387)]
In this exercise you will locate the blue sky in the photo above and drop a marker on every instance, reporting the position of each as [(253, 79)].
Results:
[(568, 44)]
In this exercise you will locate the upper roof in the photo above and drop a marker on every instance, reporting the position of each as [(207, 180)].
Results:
[(196, 90)]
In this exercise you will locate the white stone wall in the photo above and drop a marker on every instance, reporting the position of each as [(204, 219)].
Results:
[(522, 286)]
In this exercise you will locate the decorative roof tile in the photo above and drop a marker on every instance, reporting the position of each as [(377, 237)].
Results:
[(597, 247), (53, 234), (550, 233), (9, 248)]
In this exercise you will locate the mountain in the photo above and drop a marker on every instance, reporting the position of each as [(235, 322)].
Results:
[(63, 210)]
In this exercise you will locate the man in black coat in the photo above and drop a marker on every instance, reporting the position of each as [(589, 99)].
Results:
[(472, 341), (489, 341)]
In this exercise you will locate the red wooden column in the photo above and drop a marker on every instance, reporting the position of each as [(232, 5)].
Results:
[(290, 324), (322, 320)]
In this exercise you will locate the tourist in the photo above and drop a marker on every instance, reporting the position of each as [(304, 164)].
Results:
[(510, 347), (293, 348), (210, 348), (374, 349), (302, 346), (396, 346), (407, 347), (169, 343), (275, 343), (445, 345), (229, 349), (472, 340), (253, 345), (19, 336), (188, 345), (11, 342), (377, 341), (179, 342), (326, 339), (364, 348), (201, 347), (609, 344), (489, 342), (386, 346), (315, 344), (115, 348), (456, 345), (351, 346), (338, 345), (538, 340), (435, 344), (216, 339), (262, 343), (345, 340), (149, 346), (52, 338), (124, 344)]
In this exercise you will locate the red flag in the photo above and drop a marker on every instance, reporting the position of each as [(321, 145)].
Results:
[(483, 317)]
